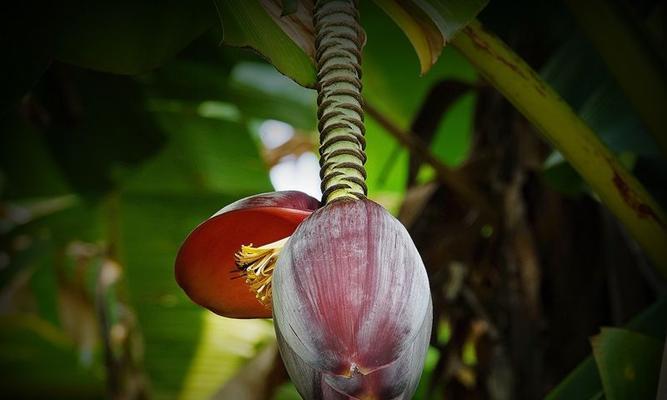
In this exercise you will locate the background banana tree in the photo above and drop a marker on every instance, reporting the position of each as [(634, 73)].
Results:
[(521, 143)]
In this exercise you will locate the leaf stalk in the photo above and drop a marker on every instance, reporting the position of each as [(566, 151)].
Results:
[(617, 188)]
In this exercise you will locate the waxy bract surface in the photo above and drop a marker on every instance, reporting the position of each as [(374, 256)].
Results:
[(205, 265), (352, 305)]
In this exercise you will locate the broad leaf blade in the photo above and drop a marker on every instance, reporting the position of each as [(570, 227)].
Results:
[(249, 24), (628, 362), (584, 381), (203, 155)]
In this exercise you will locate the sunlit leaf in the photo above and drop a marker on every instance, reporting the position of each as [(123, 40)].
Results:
[(453, 138), (225, 345), (261, 92), (171, 325), (202, 155), (207, 163), (254, 379)]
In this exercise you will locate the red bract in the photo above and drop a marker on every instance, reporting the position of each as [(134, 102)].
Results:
[(205, 265), (352, 305)]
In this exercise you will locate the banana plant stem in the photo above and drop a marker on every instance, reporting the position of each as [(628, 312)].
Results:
[(618, 189)]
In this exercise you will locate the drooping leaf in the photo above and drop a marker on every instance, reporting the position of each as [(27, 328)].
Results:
[(429, 24), (572, 60), (419, 28), (451, 16), (453, 139), (628, 362), (249, 24), (386, 58)]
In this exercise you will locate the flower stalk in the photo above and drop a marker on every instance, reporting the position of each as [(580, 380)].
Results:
[(342, 278), (338, 42), (351, 301)]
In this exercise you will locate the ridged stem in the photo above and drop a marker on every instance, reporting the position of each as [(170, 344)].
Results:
[(338, 42)]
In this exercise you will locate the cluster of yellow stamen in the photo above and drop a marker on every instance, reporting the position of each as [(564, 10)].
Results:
[(257, 264)]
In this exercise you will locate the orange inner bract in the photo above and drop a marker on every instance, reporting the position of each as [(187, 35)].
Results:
[(206, 267)]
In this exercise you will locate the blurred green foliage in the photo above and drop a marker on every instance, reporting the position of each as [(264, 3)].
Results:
[(145, 159), (104, 174)]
